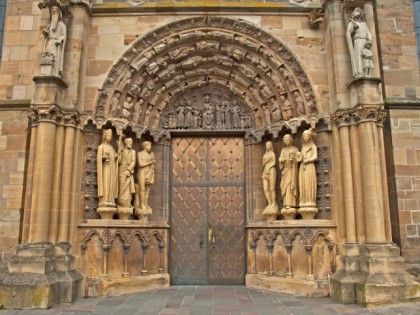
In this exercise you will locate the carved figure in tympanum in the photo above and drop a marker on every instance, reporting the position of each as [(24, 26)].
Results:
[(289, 79), (147, 116), (287, 109), (126, 110), (114, 106), (267, 114), (275, 110), (299, 104), (125, 80)]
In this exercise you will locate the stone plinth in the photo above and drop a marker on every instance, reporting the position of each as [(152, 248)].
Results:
[(365, 91), (124, 213), (289, 213), (126, 285), (40, 275), (309, 288), (123, 256), (377, 276), (50, 90)]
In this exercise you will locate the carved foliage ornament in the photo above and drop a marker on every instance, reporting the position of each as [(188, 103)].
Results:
[(358, 114), (200, 52)]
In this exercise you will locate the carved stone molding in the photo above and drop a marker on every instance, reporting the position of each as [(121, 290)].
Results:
[(374, 113), (53, 114), (211, 53)]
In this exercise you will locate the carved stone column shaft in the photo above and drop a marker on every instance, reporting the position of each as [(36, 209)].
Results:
[(42, 182), (372, 182), (347, 180), (56, 184)]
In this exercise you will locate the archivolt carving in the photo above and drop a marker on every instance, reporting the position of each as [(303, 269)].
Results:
[(213, 52)]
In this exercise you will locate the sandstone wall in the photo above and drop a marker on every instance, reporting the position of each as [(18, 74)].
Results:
[(398, 48), (13, 141), (405, 124)]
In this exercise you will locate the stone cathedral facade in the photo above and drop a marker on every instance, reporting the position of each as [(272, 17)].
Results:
[(266, 143)]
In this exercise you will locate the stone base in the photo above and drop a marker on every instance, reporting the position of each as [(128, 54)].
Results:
[(289, 213), (376, 277), (124, 213), (114, 287), (308, 213), (106, 213), (309, 288), (40, 276), (271, 213), (143, 214)]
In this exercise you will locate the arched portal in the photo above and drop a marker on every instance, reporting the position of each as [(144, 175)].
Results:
[(196, 59), (206, 91)]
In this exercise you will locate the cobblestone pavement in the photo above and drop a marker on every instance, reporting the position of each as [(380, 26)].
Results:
[(215, 300)]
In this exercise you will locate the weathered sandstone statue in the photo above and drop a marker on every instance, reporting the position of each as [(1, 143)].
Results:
[(307, 176), (126, 164), (107, 169), (357, 36), (146, 177), (289, 174), (269, 182), (55, 40)]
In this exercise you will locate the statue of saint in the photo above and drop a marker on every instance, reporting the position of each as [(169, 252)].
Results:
[(269, 182), (307, 172), (357, 35), (289, 175), (126, 162), (107, 167), (55, 40), (145, 176)]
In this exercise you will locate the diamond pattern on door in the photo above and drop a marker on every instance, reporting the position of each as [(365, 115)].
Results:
[(207, 202), (189, 160), (188, 263), (226, 259), (226, 160)]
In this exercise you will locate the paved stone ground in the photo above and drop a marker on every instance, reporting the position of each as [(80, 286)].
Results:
[(215, 300)]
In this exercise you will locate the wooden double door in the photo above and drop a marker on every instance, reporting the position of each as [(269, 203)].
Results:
[(207, 211)]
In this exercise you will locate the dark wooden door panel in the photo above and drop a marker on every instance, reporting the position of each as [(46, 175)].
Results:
[(207, 214), (188, 228)]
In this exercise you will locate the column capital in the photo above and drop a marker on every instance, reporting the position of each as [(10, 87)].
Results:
[(358, 114)]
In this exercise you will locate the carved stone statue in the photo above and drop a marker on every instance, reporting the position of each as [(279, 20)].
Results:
[(146, 177), (269, 182), (126, 163), (107, 167), (287, 109), (367, 60), (307, 176), (114, 104), (357, 35), (289, 174), (55, 40)]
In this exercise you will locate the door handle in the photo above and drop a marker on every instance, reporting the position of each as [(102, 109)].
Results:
[(201, 240), (213, 240)]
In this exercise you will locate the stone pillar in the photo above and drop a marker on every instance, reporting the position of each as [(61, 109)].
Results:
[(376, 273)]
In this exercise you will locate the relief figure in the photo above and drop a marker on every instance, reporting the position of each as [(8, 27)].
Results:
[(126, 163), (269, 182), (145, 175), (107, 167)]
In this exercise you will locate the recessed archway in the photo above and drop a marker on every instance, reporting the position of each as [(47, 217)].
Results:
[(200, 54)]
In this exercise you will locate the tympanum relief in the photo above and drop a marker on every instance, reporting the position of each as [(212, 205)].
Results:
[(207, 73)]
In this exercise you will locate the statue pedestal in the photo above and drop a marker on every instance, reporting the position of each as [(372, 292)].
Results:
[(106, 213), (143, 214), (289, 213), (271, 213), (308, 213), (365, 90), (124, 213)]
